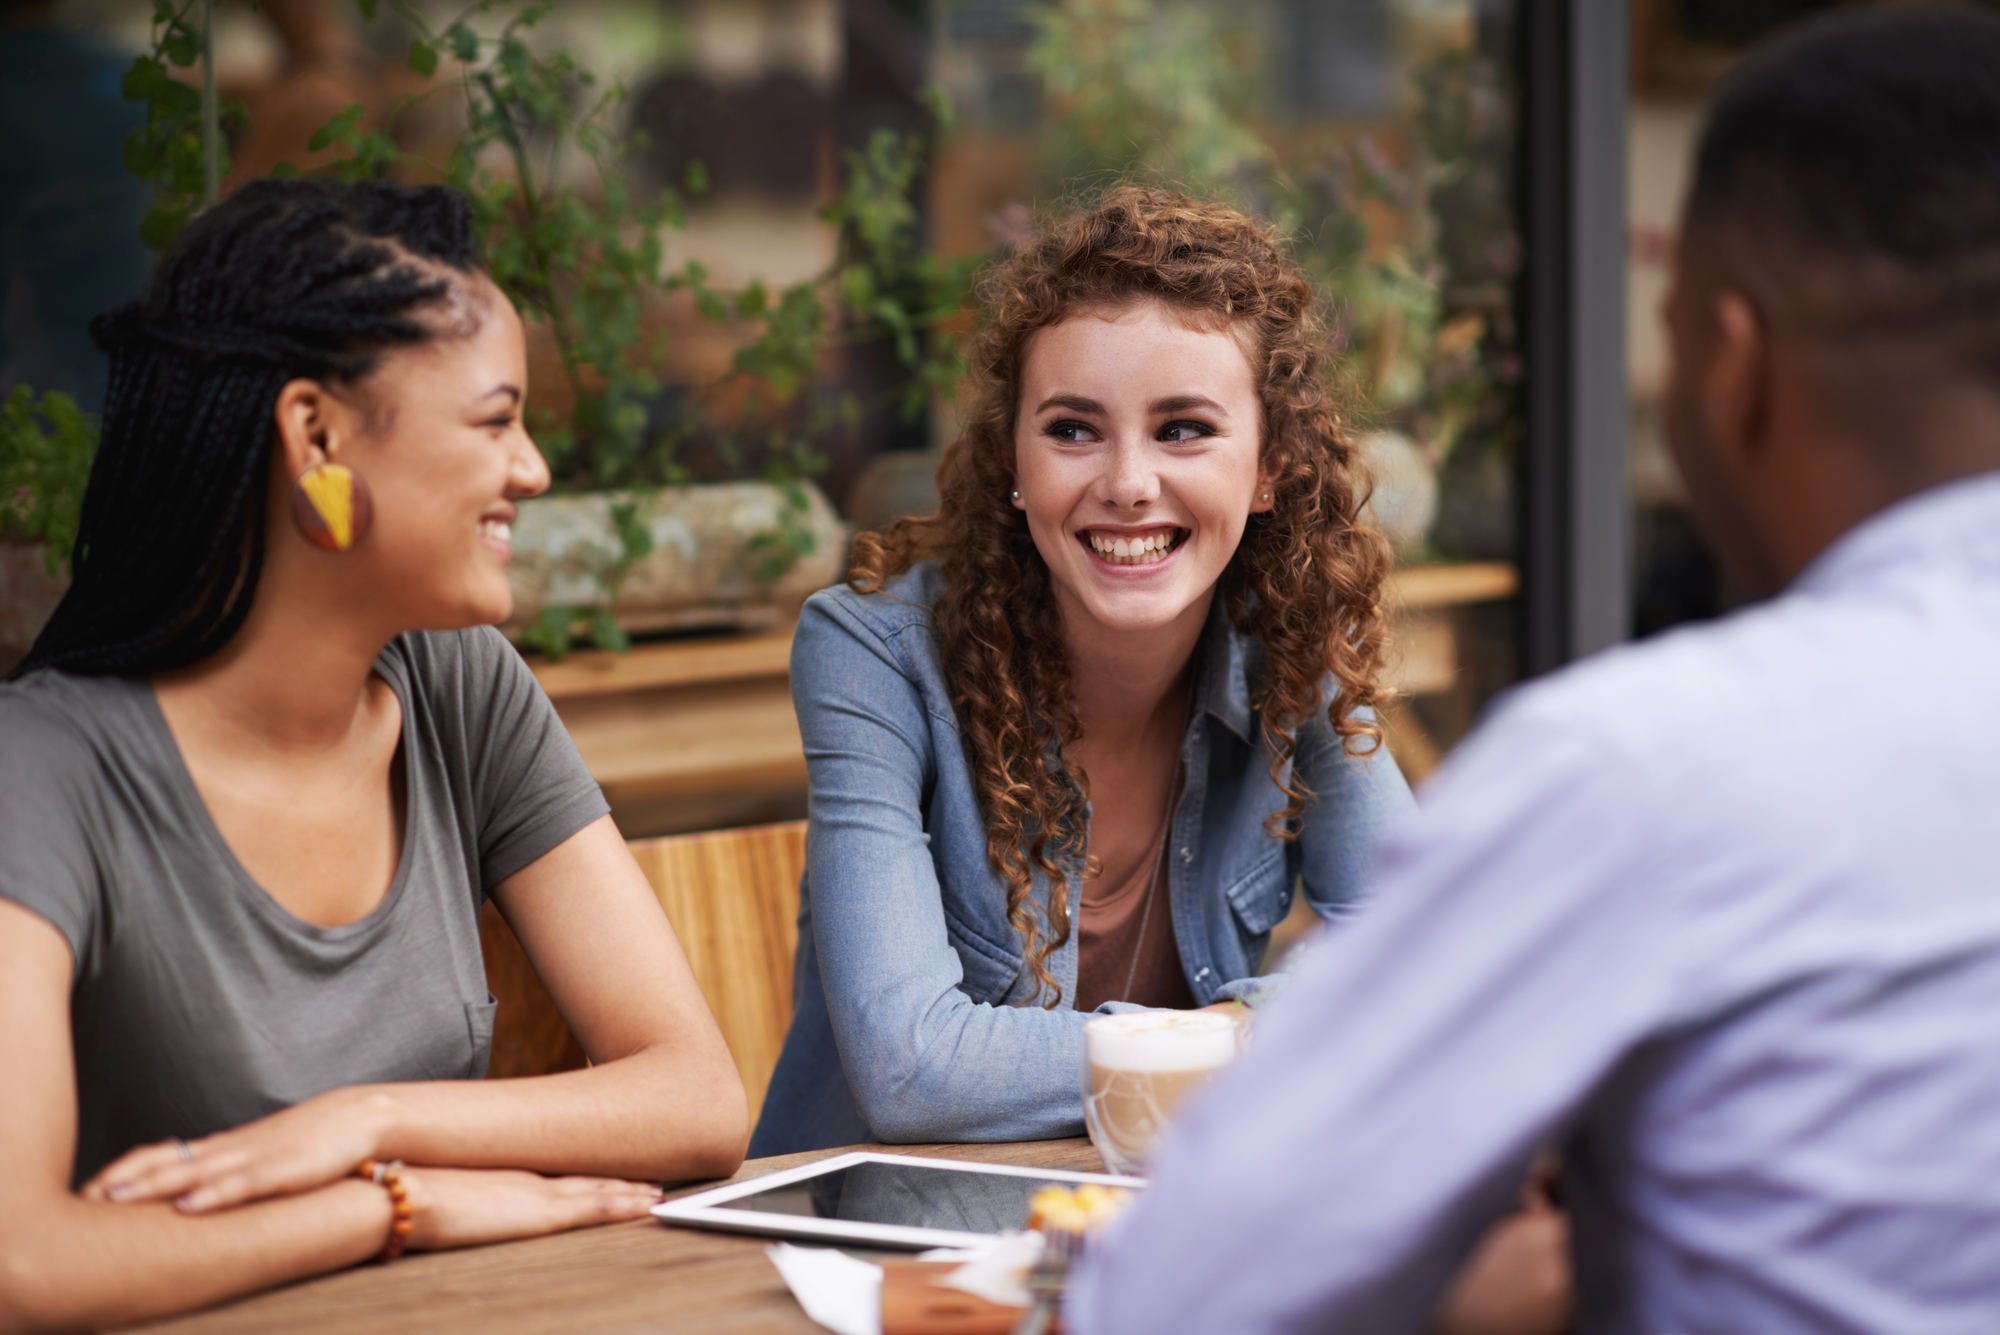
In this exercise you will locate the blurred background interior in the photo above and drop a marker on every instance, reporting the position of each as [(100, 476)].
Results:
[(1485, 189)]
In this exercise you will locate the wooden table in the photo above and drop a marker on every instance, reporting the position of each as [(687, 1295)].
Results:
[(638, 1276)]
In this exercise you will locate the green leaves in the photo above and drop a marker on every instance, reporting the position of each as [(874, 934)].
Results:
[(165, 151), (45, 453), (364, 153), (464, 43), (338, 129), (423, 58)]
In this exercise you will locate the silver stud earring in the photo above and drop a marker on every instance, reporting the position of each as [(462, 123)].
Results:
[(1017, 495)]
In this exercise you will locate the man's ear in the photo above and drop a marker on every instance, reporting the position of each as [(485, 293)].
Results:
[(1736, 385), (309, 421)]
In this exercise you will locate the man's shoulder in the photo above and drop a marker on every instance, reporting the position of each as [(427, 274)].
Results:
[(1674, 687)]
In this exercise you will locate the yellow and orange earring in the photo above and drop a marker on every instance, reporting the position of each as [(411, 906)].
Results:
[(331, 507)]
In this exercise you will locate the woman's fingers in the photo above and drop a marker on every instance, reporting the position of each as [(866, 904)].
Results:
[(461, 1207), (149, 1173), (605, 1200), (302, 1147)]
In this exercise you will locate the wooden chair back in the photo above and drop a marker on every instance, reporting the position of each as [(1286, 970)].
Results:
[(733, 898)]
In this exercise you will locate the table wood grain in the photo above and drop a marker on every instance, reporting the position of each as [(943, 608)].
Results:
[(637, 1276)]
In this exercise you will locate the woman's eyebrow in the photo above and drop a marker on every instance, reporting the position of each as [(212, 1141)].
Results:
[(1076, 403), (1180, 403), (511, 390)]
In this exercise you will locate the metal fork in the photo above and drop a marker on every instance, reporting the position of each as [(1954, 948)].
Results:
[(1060, 1246)]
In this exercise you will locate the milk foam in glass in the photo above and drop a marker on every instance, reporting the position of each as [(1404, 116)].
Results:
[(1138, 1068)]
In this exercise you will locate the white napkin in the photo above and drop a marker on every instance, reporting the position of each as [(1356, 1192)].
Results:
[(845, 1295), (839, 1292), (996, 1270)]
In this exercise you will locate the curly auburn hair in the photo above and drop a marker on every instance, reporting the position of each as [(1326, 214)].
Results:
[(1304, 582)]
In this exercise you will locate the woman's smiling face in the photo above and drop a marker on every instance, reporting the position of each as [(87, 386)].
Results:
[(1136, 456), (446, 462)]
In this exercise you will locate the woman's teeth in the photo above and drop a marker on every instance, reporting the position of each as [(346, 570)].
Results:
[(497, 528), (1133, 551)]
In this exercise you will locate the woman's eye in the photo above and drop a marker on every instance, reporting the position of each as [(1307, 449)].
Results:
[(499, 423), (1183, 431), (1068, 430)]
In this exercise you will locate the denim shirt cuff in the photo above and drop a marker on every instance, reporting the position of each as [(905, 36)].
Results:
[(1252, 992)]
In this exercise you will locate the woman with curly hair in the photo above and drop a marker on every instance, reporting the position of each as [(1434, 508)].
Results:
[(1074, 738)]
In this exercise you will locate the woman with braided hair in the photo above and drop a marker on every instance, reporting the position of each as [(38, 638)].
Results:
[(259, 773), (1074, 739)]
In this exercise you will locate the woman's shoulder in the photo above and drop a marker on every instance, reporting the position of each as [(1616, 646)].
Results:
[(454, 664), (905, 601), (49, 716), (870, 641)]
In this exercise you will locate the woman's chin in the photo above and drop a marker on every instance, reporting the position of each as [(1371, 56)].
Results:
[(1138, 612)]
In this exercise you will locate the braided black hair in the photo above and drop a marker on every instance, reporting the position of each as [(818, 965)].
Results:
[(285, 279)]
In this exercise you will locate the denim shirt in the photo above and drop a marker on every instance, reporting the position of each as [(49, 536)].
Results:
[(915, 1012)]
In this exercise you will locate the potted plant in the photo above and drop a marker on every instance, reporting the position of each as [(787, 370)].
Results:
[(626, 540), (45, 451)]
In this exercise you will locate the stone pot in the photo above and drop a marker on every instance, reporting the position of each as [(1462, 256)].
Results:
[(1404, 502), (703, 570), (28, 594)]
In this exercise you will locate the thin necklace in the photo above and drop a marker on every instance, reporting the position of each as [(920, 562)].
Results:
[(1152, 889)]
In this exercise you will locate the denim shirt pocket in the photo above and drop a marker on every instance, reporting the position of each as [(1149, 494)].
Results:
[(1262, 896), (989, 970)]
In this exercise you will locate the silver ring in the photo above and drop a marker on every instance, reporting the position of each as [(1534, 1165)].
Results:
[(182, 1146)]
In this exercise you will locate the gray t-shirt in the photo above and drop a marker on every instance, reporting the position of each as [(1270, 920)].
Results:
[(198, 1002)]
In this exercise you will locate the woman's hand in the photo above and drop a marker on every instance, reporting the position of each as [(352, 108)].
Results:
[(305, 1146), (463, 1207)]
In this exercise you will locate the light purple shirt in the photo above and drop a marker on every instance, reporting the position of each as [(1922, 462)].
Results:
[(1720, 915)]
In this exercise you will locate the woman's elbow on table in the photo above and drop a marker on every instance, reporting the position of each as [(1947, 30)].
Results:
[(922, 1102), (903, 1098), (721, 1134)]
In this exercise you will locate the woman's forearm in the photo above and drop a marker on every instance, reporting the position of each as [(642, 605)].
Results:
[(82, 1264), (653, 1116)]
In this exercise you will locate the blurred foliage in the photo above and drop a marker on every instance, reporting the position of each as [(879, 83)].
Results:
[(45, 453), (1415, 251), (1151, 89), (587, 263), (166, 152)]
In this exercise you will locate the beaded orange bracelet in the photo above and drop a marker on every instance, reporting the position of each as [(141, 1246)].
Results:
[(390, 1176)]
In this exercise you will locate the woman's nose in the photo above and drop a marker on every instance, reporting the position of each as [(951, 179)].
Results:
[(527, 470), (1130, 481)]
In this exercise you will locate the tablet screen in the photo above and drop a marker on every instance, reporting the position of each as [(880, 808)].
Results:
[(914, 1195)]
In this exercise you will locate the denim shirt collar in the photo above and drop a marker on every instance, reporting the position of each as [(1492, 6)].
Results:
[(1225, 666)]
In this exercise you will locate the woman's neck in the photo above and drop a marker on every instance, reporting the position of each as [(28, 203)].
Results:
[(1125, 682), (298, 674)]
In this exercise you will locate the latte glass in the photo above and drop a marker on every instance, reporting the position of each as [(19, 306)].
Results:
[(1138, 1068)]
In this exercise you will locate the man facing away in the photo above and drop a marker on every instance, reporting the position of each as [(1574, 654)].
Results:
[(1719, 915)]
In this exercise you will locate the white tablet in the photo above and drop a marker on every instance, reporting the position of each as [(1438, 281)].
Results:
[(879, 1200)]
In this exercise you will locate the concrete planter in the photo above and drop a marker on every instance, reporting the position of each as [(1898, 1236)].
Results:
[(28, 593), (703, 570)]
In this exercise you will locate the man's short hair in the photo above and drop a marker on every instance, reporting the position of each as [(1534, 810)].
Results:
[(1854, 162)]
